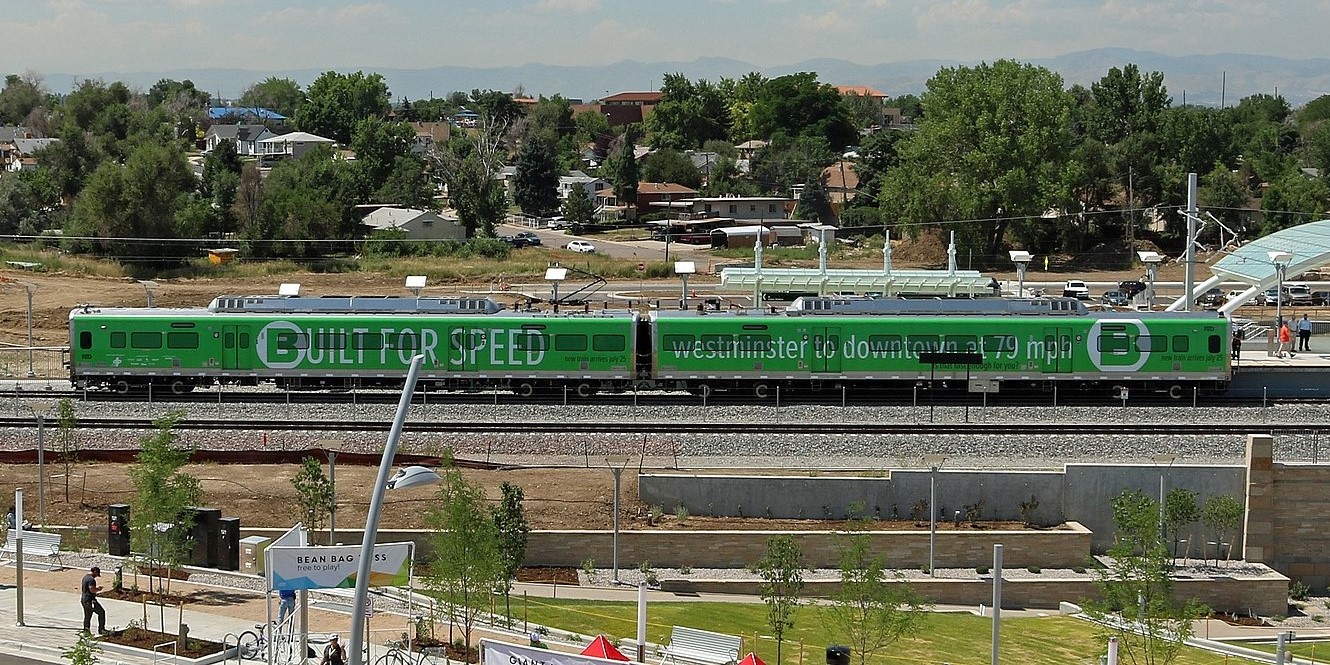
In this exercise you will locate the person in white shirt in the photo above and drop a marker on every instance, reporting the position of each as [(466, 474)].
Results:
[(1304, 333)]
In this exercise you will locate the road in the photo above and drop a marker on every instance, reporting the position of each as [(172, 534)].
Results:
[(642, 250)]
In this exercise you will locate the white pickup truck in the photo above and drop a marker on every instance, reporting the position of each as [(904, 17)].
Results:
[(1077, 289)]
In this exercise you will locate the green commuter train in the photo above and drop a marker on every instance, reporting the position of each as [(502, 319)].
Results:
[(817, 343)]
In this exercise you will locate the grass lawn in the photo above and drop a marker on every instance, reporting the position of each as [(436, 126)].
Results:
[(959, 639), (1314, 651)]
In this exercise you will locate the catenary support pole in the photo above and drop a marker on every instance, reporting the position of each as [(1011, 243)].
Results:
[(997, 600)]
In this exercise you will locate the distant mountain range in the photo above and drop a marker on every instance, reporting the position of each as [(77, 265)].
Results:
[(1203, 79)]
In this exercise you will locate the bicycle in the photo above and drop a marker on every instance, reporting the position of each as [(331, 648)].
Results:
[(252, 644), (399, 655)]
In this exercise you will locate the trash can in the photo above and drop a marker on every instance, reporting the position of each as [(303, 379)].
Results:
[(838, 655)]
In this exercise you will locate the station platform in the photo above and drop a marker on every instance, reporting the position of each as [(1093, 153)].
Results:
[(1305, 374)]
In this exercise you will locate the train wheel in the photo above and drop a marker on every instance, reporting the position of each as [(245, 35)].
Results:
[(180, 387), (704, 391), (525, 389), (1175, 391), (122, 387), (584, 390), (1116, 391), (760, 391)]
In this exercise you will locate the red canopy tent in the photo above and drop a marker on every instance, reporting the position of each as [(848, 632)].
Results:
[(601, 648), (751, 659)]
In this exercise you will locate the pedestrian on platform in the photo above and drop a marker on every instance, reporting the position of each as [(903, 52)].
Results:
[(1304, 333), (88, 591), (1285, 340)]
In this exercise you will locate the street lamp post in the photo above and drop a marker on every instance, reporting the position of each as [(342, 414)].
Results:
[(1165, 461), (332, 447), (148, 287), (40, 409), (1280, 259), (933, 462), (31, 288), (407, 477), (616, 464), (1021, 259), (1151, 261)]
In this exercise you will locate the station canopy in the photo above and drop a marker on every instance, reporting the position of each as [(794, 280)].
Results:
[(921, 282), (1307, 246)]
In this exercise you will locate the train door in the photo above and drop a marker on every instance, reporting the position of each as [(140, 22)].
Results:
[(236, 343), (468, 346), (826, 350), (1056, 351)]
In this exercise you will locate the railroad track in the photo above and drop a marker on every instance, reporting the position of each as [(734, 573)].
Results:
[(669, 427)]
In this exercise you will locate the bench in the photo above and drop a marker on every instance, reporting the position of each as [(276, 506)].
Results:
[(35, 543), (702, 646)]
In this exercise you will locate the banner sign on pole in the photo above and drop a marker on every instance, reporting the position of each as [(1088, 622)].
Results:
[(502, 653), (297, 568)]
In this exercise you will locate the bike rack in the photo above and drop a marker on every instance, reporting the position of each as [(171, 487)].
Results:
[(175, 653), (224, 640)]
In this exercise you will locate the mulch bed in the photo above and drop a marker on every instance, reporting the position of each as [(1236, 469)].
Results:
[(1238, 620), (434, 645), (548, 575), (140, 595), (147, 639)]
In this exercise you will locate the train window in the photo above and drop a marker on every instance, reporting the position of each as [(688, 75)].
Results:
[(917, 343), (117, 340), (532, 341), (679, 342), (229, 340), (287, 340), (1113, 343), (884, 343), (1181, 343), (608, 343), (182, 340), (145, 340), (1213, 344), (570, 342), (85, 340), (244, 340), (367, 341), (968, 343), (999, 343), (1146, 343)]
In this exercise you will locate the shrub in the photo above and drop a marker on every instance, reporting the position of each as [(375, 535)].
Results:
[(982, 570), (685, 569), (589, 567), (1033, 569), (681, 512), (1299, 590)]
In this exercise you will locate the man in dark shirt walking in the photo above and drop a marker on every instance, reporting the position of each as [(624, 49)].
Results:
[(88, 591)]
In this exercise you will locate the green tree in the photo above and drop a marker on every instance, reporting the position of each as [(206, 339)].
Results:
[(275, 94), (378, 144), (1127, 115), (578, 208), (336, 102), (466, 165), (496, 108), (1135, 592), (20, 96), (134, 206), (790, 160), (510, 522), (992, 149), (66, 439), (1318, 149), (163, 495), (308, 202), (864, 111), (688, 115), (408, 184), (314, 494), (467, 564), (870, 612), (1225, 196), (536, 182), (740, 97), (813, 202), (796, 104), (782, 571), (70, 160), (1222, 513), (1180, 512), (1291, 200), (177, 95), (1314, 111), (668, 165), (623, 171), (29, 203)]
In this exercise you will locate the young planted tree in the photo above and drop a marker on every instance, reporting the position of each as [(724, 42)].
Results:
[(578, 208), (870, 612), (1181, 510), (782, 570), (1136, 603), (510, 521), (162, 500), (314, 494), (467, 563), (1222, 513), (66, 440)]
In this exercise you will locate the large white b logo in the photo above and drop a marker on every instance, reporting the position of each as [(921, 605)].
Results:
[(286, 356)]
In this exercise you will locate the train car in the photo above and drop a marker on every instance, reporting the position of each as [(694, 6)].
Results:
[(823, 343), (345, 342)]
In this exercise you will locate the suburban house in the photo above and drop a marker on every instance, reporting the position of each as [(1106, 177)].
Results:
[(428, 135), (863, 91), (658, 193), (293, 145), (626, 108), (19, 154), (841, 183), (254, 114), (416, 224), (591, 184), (246, 138), (765, 208)]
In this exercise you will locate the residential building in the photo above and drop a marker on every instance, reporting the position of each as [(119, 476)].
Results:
[(20, 154), (863, 91), (293, 145), (428, 135), (626, 108), (591, 184), (245, 137), (416, 224), (239, 114), (660, 194), (841, 182), (736, 207)]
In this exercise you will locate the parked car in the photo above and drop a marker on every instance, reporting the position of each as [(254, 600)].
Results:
[(1299, 294), (1271, 297), (1077, 289), (1234, 295), (1115, 299), (1321, 298), (1131, 287), (555, 223), (581, 247), (1212, 299), (527, 237), (515, 241)]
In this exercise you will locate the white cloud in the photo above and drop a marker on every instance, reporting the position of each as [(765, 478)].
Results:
[(575, 6)]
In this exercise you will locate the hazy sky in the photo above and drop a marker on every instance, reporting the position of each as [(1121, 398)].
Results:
[(76, 36)]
